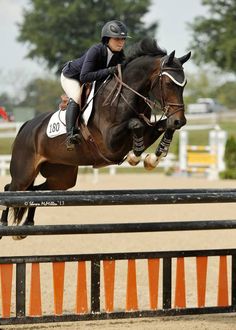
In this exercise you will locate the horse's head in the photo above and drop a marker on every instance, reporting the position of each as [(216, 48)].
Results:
[(151, 71), (167, 84)]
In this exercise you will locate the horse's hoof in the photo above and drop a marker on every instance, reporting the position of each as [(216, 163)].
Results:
[(20, 237), (132, 159), (150, 162)]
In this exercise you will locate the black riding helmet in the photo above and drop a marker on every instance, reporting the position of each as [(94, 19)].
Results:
[(114, 29)]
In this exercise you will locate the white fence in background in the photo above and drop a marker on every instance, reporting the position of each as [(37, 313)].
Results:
[(4, 164), (9, 130), (168, 162)]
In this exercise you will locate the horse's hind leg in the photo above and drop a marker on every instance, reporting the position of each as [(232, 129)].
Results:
[(4, 216), (58, 176), (137, 128), (23, 174), (54, 180), (3, 221)]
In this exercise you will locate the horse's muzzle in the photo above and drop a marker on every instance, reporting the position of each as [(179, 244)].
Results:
[(176, 122)]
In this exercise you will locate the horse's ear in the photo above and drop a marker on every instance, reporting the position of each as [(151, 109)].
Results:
[(184, 58), (170, 58)]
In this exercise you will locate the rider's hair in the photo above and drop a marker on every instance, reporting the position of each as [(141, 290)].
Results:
[(105, 40)]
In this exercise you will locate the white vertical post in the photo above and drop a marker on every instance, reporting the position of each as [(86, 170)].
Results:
[(222, 138), (112, 169), (183, 142), (213, 143), (95, 175)]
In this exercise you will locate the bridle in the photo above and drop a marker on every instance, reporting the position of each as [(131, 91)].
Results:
[(165, 107)]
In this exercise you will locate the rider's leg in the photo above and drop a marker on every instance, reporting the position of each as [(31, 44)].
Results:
[(72, 113), (72, 89)]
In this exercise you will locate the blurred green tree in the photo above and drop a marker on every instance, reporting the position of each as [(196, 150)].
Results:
[(207, 84), (226, 94), (230, 159), (59, 30), (42, 94), (214, 37), (7, 102)]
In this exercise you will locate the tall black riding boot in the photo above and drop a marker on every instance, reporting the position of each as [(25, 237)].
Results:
[(73, 133)]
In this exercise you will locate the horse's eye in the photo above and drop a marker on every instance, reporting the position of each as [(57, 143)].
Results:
[(168, 81)]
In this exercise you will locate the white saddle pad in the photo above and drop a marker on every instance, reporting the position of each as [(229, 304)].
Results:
[(57, 123)]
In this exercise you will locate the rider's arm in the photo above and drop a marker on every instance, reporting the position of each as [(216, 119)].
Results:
[(90, 70)]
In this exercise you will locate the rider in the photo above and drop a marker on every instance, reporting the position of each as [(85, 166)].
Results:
[(96, 64)]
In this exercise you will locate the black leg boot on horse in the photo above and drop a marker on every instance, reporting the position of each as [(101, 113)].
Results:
[(73, 132)]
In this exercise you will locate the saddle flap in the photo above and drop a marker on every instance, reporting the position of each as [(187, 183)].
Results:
[(85, 90)]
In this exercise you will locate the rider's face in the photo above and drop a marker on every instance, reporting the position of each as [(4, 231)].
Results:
[(116, 44)]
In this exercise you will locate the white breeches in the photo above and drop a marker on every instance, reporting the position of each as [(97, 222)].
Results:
[(71, 88)]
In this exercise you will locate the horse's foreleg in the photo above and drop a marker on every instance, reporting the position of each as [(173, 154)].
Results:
[(137, 128), (152, 160)]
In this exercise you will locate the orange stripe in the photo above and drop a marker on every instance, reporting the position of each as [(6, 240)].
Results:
[(58, 285), (81, 292), (109, 284), (201, 263), (223, 299), (153, 276), (180, 297), (35, 306), (131, 292), (6, 286)]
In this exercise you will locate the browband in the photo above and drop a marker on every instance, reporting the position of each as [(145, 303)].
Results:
[(174, 80)]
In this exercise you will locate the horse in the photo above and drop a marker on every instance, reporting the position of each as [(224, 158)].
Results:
[(119, 127)]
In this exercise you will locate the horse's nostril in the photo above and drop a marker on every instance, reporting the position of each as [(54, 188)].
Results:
[(179, 123)]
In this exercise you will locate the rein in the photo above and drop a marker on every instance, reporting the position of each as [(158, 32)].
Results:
[(165, 106)]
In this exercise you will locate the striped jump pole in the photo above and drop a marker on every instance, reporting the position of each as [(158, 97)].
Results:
[(98, 291), (116, 197), (170, 299)]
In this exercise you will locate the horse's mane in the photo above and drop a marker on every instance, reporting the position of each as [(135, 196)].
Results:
[(147, 46)]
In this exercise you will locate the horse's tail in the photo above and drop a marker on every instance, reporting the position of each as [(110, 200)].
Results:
[(19, 132), (18, 213)]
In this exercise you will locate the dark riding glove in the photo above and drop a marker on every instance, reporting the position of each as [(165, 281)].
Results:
[(113, 70)]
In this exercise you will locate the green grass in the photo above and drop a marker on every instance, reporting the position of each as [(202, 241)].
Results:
[(229, 127), (5, 146)]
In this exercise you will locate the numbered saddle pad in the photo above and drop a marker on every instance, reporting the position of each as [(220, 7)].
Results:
[(57, 124)]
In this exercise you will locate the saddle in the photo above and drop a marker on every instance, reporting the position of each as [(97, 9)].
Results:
[(85, 90)]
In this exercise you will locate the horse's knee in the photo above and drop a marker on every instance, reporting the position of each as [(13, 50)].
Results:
[(136, 125)]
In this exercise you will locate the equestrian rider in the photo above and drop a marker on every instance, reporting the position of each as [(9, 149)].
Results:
[(96, 64)]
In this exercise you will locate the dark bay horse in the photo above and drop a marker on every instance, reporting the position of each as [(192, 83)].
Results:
[(119, 126)]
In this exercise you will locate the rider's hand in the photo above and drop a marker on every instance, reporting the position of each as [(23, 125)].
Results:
[(113, 70)]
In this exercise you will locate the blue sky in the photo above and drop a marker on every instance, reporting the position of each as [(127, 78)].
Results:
[(172, 34)]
